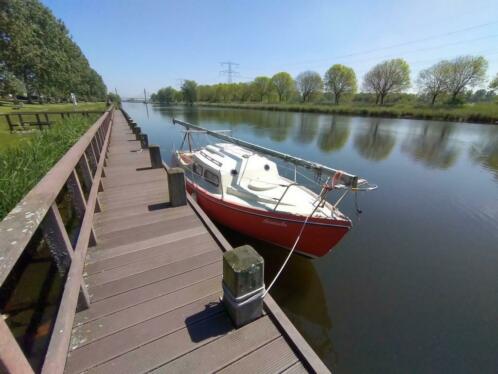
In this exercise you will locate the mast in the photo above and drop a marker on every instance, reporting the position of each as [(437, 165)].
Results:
[(346, 178)]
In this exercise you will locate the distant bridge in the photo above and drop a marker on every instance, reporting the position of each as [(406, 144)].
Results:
[(135, 100)]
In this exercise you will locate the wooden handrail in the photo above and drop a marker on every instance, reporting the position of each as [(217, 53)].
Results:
[(38, 210)]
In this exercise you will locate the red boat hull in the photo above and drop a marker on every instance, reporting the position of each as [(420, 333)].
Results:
[(318, 238)]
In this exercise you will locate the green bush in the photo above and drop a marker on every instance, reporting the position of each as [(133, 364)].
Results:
[(21, 167)]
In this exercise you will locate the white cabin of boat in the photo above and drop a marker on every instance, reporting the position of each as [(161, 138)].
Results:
[(241, 176)]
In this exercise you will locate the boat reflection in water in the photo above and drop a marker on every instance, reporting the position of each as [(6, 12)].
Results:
[(299, 292)]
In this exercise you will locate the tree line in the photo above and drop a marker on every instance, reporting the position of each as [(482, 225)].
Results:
[(448, 81), (38, 58)]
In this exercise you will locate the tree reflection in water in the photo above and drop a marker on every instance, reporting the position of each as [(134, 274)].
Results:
[(307, 125), (431, 146), (375, 143), (334, 135), (485, 152)]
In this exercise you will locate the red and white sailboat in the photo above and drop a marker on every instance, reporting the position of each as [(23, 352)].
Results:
[(239, 187)]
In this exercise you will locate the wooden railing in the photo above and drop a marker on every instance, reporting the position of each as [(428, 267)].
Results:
[(79, 172)]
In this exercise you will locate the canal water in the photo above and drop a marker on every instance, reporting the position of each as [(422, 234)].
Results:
[(414, 286)]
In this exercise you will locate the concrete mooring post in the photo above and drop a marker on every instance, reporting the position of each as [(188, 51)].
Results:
[(155, 156), (144, 141), (243, 284), (176, 187), (137, 131)]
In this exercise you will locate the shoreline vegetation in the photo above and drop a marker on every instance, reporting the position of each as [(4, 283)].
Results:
[(24, 165), (474, 113), (450, 90)]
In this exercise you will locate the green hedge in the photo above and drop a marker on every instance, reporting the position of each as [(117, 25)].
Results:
[(21, 167)]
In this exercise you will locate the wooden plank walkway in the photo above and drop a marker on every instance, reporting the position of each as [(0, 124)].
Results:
[(154, 281)]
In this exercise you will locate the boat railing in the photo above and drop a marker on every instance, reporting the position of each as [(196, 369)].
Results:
[(282, 197)]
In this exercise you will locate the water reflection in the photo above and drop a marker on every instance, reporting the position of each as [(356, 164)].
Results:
[(333, 135), (274, 125), (307, 125), (432, 146), (299, 291), (375, 142), (485, 152), (278, 125)]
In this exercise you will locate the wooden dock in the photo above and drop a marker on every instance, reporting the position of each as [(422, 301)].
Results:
[(153, 279)]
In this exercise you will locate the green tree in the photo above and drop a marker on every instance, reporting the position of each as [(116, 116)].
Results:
[(166, 95), (261, 87), (493, 85), (390, 76), (37, 49), (9, 84), (189, 91), (309, 84), (465, 72), (114, 98), (284, 85), (340, 80), (433, 81)]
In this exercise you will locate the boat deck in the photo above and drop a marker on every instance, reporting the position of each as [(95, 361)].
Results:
[(154, 281)]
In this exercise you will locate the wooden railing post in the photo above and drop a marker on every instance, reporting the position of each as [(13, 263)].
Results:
[(155, 156), (78, 198), (9, 121), (60, 247), (91, 158), (86, 171), (57, 239), (176, 187), (12, 359)]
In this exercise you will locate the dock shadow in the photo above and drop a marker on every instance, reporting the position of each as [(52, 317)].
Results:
[(158, 206), (144, 168), (209, 323)]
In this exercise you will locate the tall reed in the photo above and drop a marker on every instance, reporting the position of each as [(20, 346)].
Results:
[(21, 167)]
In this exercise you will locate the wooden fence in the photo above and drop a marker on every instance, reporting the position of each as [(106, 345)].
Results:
[(79, 171), (25, 120)]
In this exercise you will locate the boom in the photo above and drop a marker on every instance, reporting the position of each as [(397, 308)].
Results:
[(346, 178)]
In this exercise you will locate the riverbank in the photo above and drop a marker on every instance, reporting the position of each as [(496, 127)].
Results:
[(478, 113), (7, 139)]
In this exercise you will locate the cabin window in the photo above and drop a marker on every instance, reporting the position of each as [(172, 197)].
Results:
[(234, 172), (267, 167), (211, 177), (197, 169)]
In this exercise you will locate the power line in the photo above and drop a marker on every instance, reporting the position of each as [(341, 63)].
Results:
[(402, 44), (229, 72)]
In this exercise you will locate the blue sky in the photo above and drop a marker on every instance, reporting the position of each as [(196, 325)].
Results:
[(151, 44)]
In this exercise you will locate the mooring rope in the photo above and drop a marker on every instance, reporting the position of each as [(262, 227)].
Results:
[(319, 201)]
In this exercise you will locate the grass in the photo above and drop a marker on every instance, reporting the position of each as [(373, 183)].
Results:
[(479, 112), (8, 140), (21, 167)]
